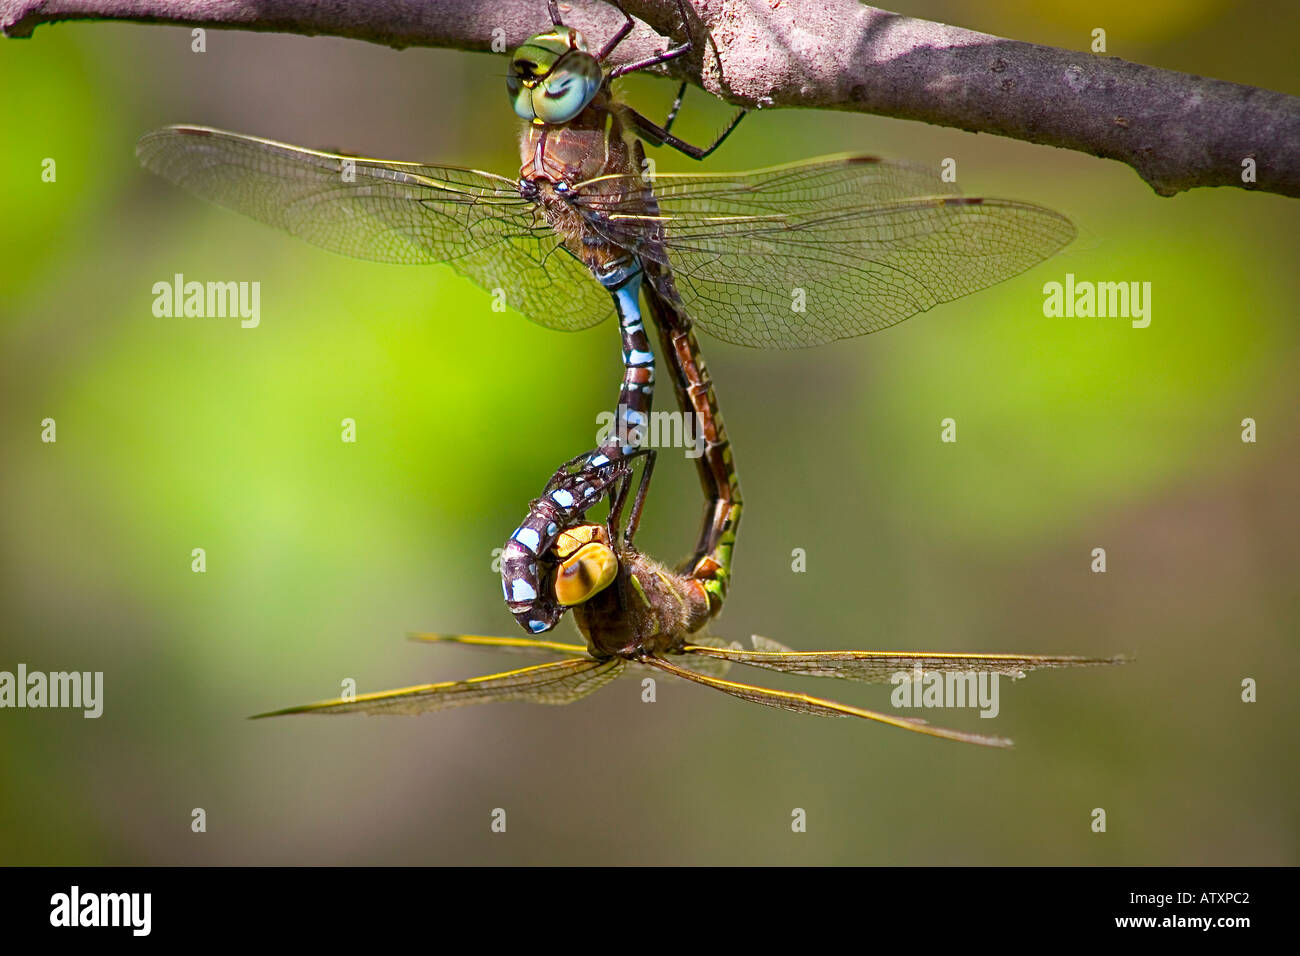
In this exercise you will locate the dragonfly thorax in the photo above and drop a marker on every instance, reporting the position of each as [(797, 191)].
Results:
[(648, 609), (553, 78), (577, 171)]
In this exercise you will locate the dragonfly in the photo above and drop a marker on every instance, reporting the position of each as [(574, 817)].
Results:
[(860, 242), (634, 613)]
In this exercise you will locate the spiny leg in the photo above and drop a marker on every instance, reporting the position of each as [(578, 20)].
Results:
[(638, 503), (634, 521), (618, 497), (616, 501), (659, 135), (663, 137)]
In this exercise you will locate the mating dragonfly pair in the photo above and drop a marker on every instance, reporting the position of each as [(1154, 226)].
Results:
[(868, 242)]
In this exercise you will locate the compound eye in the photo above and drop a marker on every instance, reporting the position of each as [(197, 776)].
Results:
[(584, 574), (521, 97), (552, 77), (567, 91)]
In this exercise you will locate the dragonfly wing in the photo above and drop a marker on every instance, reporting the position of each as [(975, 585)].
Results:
[(880, 667), (511, 645), (386, 211), (709, 665), (806, 254), (559, 682), (820, 707)]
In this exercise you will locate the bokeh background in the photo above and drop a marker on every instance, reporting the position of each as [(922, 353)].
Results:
[(1073, 434)]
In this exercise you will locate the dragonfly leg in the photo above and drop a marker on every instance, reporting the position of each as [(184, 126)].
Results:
[(618, 494), (617, 38), (659, 135), (615, 516), (676, 107), (634, 520), (671, 53)]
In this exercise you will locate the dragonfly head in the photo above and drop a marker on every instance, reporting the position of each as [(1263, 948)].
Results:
[(552, 77), (587, 566)]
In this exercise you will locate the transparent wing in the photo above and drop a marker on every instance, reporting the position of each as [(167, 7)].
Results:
[(710, 665), (878, 667), (858, 243), (396, 212), (820, 707), (512, 645), (559, 682)]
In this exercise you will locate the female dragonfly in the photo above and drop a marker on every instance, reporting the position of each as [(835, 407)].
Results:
[(634, 612), (858, 242)]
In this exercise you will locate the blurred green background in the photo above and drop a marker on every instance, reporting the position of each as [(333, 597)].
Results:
[(1073, 434)]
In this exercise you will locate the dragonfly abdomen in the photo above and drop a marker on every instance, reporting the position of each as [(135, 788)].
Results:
[(711, 562), (568, 496), (636, 391)]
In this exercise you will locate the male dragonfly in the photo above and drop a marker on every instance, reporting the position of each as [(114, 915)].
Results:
[(864, 242)]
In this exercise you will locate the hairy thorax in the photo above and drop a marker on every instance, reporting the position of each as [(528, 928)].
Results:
[(595, 144), (647, 610)]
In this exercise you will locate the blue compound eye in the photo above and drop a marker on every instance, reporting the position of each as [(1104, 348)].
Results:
[(553, 78), (565, 93)]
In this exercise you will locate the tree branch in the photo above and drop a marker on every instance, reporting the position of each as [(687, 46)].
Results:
[(1176, 130)]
